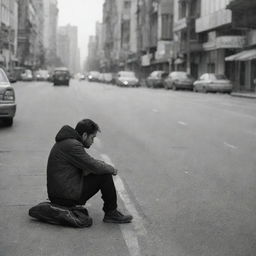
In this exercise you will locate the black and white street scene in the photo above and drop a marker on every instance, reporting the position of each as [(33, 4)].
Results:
[(127, 128)]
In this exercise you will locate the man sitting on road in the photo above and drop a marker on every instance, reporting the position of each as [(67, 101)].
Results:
[(73, 176)]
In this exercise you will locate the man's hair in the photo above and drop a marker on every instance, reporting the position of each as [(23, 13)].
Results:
[(88, 126)]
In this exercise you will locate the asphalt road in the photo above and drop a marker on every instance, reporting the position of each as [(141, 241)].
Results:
[(187, 171)]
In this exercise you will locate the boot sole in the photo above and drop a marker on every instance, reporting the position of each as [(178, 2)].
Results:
[(117, 221)]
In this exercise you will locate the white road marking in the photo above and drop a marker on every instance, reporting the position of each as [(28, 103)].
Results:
[(230, 145), (130, 235), (182, 123)]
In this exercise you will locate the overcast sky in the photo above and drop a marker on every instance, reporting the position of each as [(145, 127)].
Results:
[(83, 14)]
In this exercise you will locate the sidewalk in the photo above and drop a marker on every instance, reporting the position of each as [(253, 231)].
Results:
[(249, 95)]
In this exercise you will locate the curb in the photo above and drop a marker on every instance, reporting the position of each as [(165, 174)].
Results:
[(244, 95)]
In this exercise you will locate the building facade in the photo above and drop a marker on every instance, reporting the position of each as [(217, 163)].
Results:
[(73, 59), (50, 14), (8, 33), (244, 61)]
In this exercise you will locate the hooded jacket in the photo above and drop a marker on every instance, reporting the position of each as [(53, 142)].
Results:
[(68, 163)]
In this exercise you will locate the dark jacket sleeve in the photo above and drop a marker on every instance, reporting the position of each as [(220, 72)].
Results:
[(82, 160)]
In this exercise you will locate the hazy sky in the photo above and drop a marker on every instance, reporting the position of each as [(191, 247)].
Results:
[(83, 14)]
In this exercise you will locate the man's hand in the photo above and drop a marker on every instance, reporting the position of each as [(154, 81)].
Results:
[(115, 172)]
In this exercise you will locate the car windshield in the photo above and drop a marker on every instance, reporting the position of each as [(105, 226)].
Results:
[(126, 74), (218, 77), (3, 78), (94, 73), (182, 75), (61, 72)]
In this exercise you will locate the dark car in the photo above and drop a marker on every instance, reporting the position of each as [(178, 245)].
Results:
[(179, 80), (156, 79), (61, 76), (7, 100), (11, 76), (126, 78)]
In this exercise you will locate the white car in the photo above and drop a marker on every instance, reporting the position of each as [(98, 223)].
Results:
[(210, 82)]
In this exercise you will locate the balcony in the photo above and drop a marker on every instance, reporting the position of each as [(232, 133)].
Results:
[(214, 20), (195, 46)]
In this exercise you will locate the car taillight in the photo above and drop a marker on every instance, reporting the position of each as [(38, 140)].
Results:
[(9, 95)]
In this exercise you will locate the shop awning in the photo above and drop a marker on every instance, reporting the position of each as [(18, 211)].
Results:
[(242, 56)]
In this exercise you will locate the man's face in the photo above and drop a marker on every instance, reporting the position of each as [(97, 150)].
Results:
[(88, 139)]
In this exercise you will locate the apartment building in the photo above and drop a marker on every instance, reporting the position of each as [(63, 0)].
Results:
[(219, 38), (243, 17), (8, 33)]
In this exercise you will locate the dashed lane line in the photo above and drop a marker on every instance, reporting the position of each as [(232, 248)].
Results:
[(182, 123), (230, 145)]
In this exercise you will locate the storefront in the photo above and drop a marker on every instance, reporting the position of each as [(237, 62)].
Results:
[(245, 69)]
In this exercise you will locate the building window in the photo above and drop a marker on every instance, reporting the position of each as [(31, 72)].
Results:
[(167, 27), (127, 5), (182, 9)]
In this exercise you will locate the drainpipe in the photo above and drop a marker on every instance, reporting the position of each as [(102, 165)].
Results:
[(188, 50)]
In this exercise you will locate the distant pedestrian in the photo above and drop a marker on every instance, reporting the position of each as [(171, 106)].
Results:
[(73, 176)]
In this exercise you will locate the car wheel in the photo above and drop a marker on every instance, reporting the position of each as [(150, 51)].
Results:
[(174, 87), (204, 90), (194, 89), (8, 121)]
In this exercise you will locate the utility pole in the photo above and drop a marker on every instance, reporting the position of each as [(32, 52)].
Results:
[(188, 21)]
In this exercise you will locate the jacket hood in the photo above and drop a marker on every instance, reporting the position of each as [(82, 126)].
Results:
[(67, 132)]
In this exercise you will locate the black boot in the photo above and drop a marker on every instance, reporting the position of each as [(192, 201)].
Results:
[(116, 216)]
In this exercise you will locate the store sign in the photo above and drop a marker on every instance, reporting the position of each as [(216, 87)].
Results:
[(145, 59), (227, 42), (164, 49), (180, 24)]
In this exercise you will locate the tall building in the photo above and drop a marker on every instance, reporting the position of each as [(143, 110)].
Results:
[(8, 33), (27, 33), (72, 34), (187, 45), (63, 48), (50, 11), (92, 62)]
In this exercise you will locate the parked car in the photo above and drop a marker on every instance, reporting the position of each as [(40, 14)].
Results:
[(210, 82), (93, 76), (42, 75), (7, 100), (18, 71), (156, 79), (27, 75), (179, 80), (11, 76), (126, 78), (101, 77), (108, 77), (61, 76)]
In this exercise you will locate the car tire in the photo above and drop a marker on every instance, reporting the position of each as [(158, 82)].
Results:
[(194, 89), (8, 121), (174, 87), (204, 90)]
